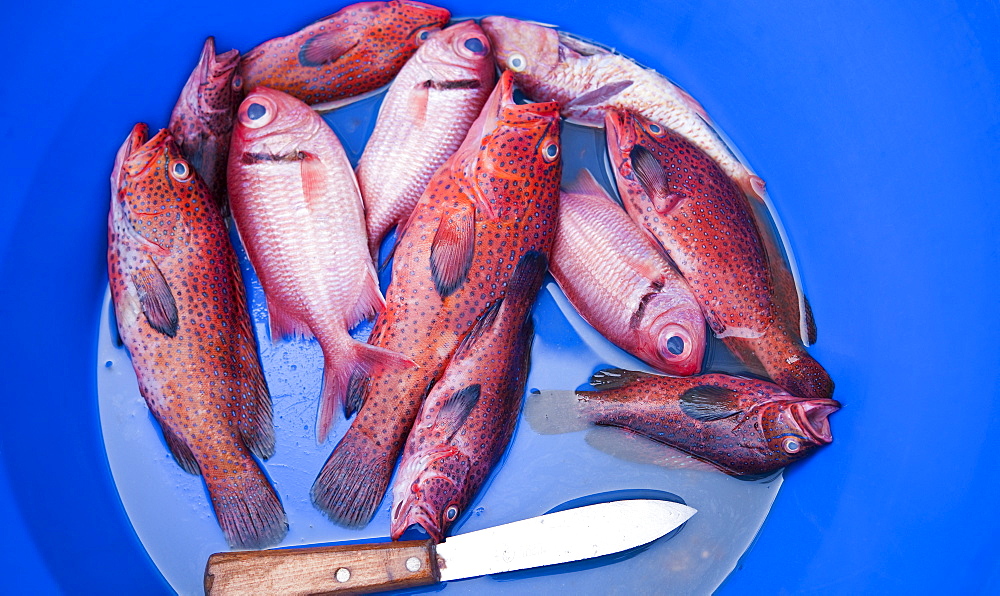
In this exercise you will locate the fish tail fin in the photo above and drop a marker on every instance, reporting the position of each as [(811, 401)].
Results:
[(362, 360), (353, 481), (554, 412), (246, 505)]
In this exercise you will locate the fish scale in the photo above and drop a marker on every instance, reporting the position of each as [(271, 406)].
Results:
[(681, 197), (479, 214), (356, 50), (618, 280), (424, 117), (299, 213), (589, 80), (182, 314)]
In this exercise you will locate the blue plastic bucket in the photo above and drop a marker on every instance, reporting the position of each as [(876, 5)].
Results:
[(876, 126)]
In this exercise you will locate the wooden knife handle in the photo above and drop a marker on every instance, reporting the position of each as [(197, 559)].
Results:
[(346, 569)]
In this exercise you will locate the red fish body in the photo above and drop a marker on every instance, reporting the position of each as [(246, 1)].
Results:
[(299, 213), (617, 279), (707, 228), (202, 119), (494, 200), (356, 50), (182, 314), (680, 196), (742, 426), (469, 416), (424, 117)]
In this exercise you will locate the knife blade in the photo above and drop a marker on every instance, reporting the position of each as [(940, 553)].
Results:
[(560, 537)]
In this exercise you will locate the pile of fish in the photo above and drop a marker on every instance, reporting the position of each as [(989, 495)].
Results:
[(469, 177)]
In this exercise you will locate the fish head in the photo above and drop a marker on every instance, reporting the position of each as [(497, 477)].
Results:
[(431, 492), (504, 129), (793, 427), (273, 124), (530, 50), (215, 84), (675, 336), (415, 21), (464, 46), (154, 190)]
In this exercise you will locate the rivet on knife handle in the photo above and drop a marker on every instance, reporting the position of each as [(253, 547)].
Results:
[(354, 568)]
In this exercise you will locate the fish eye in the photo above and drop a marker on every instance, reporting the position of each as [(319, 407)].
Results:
[(654, 128), (550, 152), (675, 345), (180, 171), (475, 45), (423, 35), (791, 445), (451, 513), (256, 112), (237, 82), (517, 63)]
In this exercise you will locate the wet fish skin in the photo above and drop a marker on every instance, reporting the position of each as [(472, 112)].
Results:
[(181, 310), (202, 119), (618, 280), (681, 198), (299, 213), (353, 51), (588, 80), (424, 117), (481, 211), (468, 418), (740, 425)]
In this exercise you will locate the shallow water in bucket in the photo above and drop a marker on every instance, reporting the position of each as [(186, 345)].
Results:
[(172, 516)]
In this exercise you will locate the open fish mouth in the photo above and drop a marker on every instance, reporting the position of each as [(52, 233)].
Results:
[(415, 514), (813, 417)]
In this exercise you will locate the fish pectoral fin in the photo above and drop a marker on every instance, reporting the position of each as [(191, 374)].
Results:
[(615, 378), (598, 96), (452, 250), (326, 47), (708, 403), (649, 172), (417, 103), (456, 409), (155, 298)]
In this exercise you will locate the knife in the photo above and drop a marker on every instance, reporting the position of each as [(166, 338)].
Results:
[(560, 537)]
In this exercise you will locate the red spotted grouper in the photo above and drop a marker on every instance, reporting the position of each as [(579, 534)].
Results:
[(469, 416), (182, 314)]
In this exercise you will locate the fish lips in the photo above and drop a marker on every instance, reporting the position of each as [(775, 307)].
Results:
[(413, 512), (812, 416)]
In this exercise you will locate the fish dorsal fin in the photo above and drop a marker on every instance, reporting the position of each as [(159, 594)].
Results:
[(707, 403), (598, 96), (155, 297), (456, 409), (649, 172), (452, 250), (326, 47), (615, 378), (586, 184)]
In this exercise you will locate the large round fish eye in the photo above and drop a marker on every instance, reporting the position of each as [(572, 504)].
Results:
[(516, 62), (550, 152), (475, 45), (675, 345), (256, 112), (181, 171), (791, 445)]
